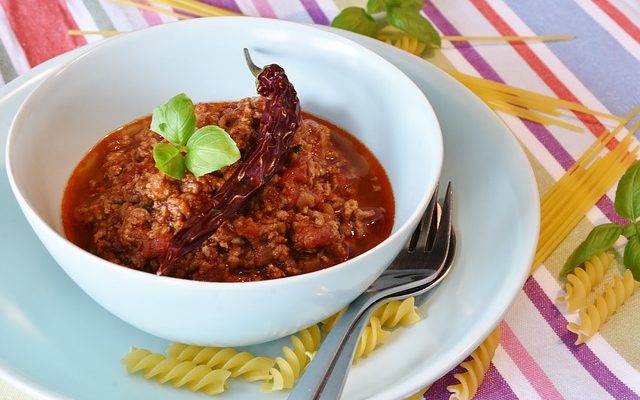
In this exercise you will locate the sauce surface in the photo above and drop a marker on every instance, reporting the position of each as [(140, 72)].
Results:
[(330, 201)]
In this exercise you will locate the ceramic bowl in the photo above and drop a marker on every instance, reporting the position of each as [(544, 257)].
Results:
[(126, 77)]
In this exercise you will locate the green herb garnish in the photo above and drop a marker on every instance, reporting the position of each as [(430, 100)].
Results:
[(201, 151), (603, 237), (401, 14)]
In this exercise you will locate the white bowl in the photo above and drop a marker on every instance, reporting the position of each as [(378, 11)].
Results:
[(125, 77)]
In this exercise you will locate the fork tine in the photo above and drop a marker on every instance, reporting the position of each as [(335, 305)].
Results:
[(443, 235), (428, 226), (425, 222)]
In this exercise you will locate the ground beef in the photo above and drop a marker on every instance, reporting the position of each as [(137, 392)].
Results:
[(309, 216)]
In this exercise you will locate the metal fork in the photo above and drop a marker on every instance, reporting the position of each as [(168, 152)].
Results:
[(423, 263)]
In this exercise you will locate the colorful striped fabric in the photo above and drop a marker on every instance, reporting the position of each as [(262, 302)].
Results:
[(600, 69)]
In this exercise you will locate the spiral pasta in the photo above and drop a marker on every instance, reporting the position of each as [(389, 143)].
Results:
[(582, 280), (390, 314), (397, 312), (330, 322), (197, 378), (372, 336), (289, 368), (408, 43), (597, 313), (476, 367), (207, 369), (240, 364)]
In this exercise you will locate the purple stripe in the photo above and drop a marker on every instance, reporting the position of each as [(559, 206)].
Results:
[(228, 4), (486, 71), (582, 353), (438, 390), (494, 386), (541, 133), (315, 12)]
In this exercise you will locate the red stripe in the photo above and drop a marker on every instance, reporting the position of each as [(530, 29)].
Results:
[(528, 365), (549, 78), (41, 28), (625, 23)]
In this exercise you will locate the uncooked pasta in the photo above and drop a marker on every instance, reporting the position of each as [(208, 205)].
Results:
[(476, 367), (197, 378), (598, 312), (582, 280)]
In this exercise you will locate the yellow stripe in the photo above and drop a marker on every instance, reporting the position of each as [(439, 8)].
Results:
[(547, 38)]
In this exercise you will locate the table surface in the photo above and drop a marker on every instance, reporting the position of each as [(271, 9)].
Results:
[(600, 68)]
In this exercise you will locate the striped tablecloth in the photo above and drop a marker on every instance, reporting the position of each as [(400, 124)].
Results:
[(600, 68)]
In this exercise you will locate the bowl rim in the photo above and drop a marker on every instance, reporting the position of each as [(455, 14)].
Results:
[(181, 282)]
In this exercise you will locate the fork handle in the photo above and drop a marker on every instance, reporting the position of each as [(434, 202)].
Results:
[(311, 382), (335, 378)]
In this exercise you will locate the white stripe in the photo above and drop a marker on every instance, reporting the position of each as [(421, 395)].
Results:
[(290, 10), (515, 71), (600, 347), (329, 7), (569, 377), (247, 8), (611, 27), (630, 8), (124, 18), (512, 375), (83, 19), (12, 46)]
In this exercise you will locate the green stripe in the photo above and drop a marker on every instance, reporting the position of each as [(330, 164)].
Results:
[(6, 67), (100, 17)]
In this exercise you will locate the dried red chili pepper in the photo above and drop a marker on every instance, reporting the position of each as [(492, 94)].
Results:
[(280, 119)]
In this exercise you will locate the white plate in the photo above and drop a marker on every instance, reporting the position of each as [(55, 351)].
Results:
[(55, 342)]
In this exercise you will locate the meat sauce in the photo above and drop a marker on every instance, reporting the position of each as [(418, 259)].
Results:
[(330, 201)]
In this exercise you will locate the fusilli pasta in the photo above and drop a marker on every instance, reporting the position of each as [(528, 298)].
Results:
[(597, 313), (372, 336), (397, 312), (289, 368), (408, 43), (187, 374), (476, 368), (329, 323), (207, 369), (582, 280), (243, 364)]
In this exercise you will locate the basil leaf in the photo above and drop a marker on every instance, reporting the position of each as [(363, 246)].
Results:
[(601, 238), (375, 6), (175, 120), (632, 257), (210, 149), (631, 229), (414, 24), (356, 19), (415, 5), (627, 201), (169, 160)]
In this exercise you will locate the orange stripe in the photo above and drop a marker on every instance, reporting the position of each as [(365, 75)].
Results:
[(543, 71)]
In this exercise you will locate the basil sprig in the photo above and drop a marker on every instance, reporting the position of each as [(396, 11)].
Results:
[(402, 14), (200, 151), (603, 237)]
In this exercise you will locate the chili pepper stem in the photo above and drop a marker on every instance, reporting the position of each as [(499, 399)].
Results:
[(255, 70)]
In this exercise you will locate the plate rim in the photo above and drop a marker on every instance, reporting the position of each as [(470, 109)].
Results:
[(24, 81)]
